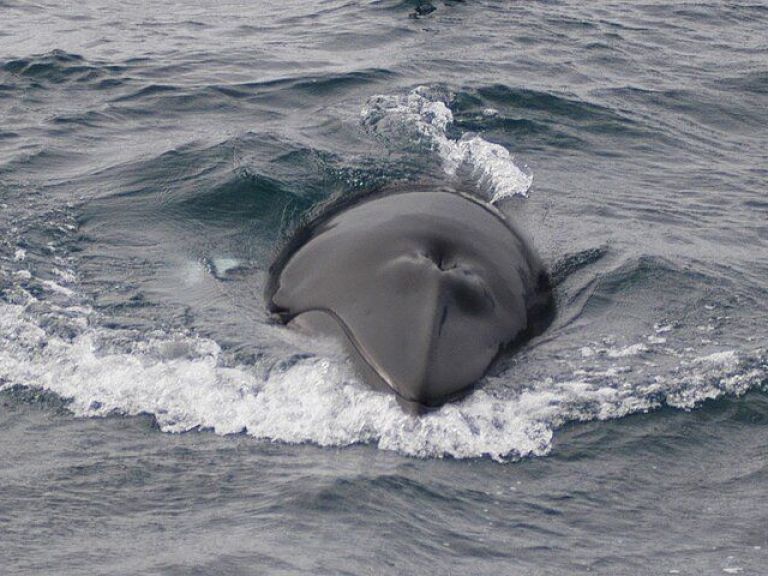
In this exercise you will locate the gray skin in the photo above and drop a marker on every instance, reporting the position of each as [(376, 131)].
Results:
[(425, 288)]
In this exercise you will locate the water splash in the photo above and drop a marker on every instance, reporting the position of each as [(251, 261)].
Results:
[(187, 382), (422, 118)]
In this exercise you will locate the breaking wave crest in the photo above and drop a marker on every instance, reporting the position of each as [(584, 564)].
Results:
[(423, 118), (187, 382)]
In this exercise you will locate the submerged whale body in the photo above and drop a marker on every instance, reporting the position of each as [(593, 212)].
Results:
[(425, 287)]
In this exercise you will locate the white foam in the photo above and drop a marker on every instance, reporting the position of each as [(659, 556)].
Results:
[(423, 119), (186, 383), (631, 350), (67, 276), (224, 264), (58, 288), (726, 358)]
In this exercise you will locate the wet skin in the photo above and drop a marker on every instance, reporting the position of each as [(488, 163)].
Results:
[(426, 288)]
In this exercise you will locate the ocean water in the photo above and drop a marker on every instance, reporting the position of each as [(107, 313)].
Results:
[(153, 156)]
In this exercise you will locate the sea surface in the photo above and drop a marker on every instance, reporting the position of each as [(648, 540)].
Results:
[(155, 155)]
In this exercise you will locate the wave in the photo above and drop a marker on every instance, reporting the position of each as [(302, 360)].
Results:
[(52, 341), (422, 118), (107, 359), (180, 97), (58, 67), (246, 177), (185, 384)]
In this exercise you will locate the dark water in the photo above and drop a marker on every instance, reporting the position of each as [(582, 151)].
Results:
[(152, 157)]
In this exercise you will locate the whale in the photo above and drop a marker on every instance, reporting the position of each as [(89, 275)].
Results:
[(425, 287)]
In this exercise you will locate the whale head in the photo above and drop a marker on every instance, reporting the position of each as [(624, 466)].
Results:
[(424, 287)]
